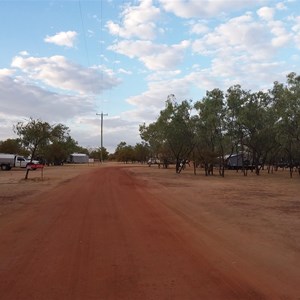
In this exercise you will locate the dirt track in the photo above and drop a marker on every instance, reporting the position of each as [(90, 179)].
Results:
[(111, 233)]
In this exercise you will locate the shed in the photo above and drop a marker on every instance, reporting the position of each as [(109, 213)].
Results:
[(78, 158)]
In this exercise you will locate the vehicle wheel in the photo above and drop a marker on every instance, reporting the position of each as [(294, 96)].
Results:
[(5, 168)]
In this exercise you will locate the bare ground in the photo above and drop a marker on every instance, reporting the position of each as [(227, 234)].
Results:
[(134, 232)]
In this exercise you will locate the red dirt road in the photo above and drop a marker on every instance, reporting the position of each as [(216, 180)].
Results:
[(103, 235)]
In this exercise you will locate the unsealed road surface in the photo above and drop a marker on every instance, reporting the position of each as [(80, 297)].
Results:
[(103, 236)]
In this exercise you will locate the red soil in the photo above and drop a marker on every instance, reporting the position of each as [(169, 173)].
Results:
[(114, 233)]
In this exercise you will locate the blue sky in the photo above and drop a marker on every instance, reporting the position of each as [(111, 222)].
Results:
[(66, 61)]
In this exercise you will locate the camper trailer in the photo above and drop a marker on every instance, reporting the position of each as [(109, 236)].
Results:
[(78, 158), (238, 161)]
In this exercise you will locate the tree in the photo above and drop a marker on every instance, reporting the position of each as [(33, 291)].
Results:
[(235, 100), (141, 152), (173, 132), (250, 122), (35, 135), (152, 135), (59, 150), (287, 110), (212, 141), (261, 127), (96, 154), (13, 146), (124, 152)]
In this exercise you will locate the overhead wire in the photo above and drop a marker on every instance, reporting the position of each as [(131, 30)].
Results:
[(114, 62), (102, 56), (84, 34)]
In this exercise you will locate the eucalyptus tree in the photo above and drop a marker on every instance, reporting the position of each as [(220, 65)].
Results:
[(236, 98), (153, 137), (293, 82), (96, 153), (59, 149), (158, 146), (141, 152), (124, 152), (212, 132), (12, 146), (173, 131), (36, 135), (287, 109), (257, 121)]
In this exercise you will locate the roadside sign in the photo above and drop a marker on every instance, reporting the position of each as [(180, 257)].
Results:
[(36, 166)]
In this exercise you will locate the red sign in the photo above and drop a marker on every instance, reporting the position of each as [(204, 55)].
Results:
[(35, 166)]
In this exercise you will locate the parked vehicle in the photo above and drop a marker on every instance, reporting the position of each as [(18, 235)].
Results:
[(153, 161), (8, 161), (78, 158), (238, 162)]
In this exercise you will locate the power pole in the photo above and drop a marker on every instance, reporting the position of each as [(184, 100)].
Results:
[(101, 134)]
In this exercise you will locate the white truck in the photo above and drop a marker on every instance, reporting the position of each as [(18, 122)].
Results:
[(8, 161)]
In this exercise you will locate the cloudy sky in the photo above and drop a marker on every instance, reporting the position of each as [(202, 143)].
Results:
[(67, 61)]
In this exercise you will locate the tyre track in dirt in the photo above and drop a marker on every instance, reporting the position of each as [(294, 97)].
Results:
[(103, 236)]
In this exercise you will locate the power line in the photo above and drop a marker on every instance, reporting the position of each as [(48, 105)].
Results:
[(84, 36)]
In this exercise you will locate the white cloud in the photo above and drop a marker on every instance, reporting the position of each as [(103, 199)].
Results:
[(63, 38), (281, 6), (160, 75), (266, 13), (24, 53), (6, 123), (24, 100), (148, 104), (296, 30), (277, 28), (115, 129), (238, 36), (154, 56), (206, 8), (123, 71), (199, 28), (6, 72), (156, 95), (91, 33), (230, 48), (281, 36), (58, 72), (138, 21), (243, 50)]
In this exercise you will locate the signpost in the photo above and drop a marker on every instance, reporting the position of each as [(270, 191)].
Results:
[(37, 166)]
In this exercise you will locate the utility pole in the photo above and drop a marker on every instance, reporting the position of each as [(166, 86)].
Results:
[(101, 134)]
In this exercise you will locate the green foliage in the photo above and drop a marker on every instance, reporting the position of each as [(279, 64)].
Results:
[(12, 146), (286, 103), (127, 153), (58, 151), (211, 128), (142, 152), (172, 135), (96, 154), (124, 152), (37, 136), (34, 134), (264, 126)]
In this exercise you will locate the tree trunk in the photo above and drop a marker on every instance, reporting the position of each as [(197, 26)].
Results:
[(27, 173)]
